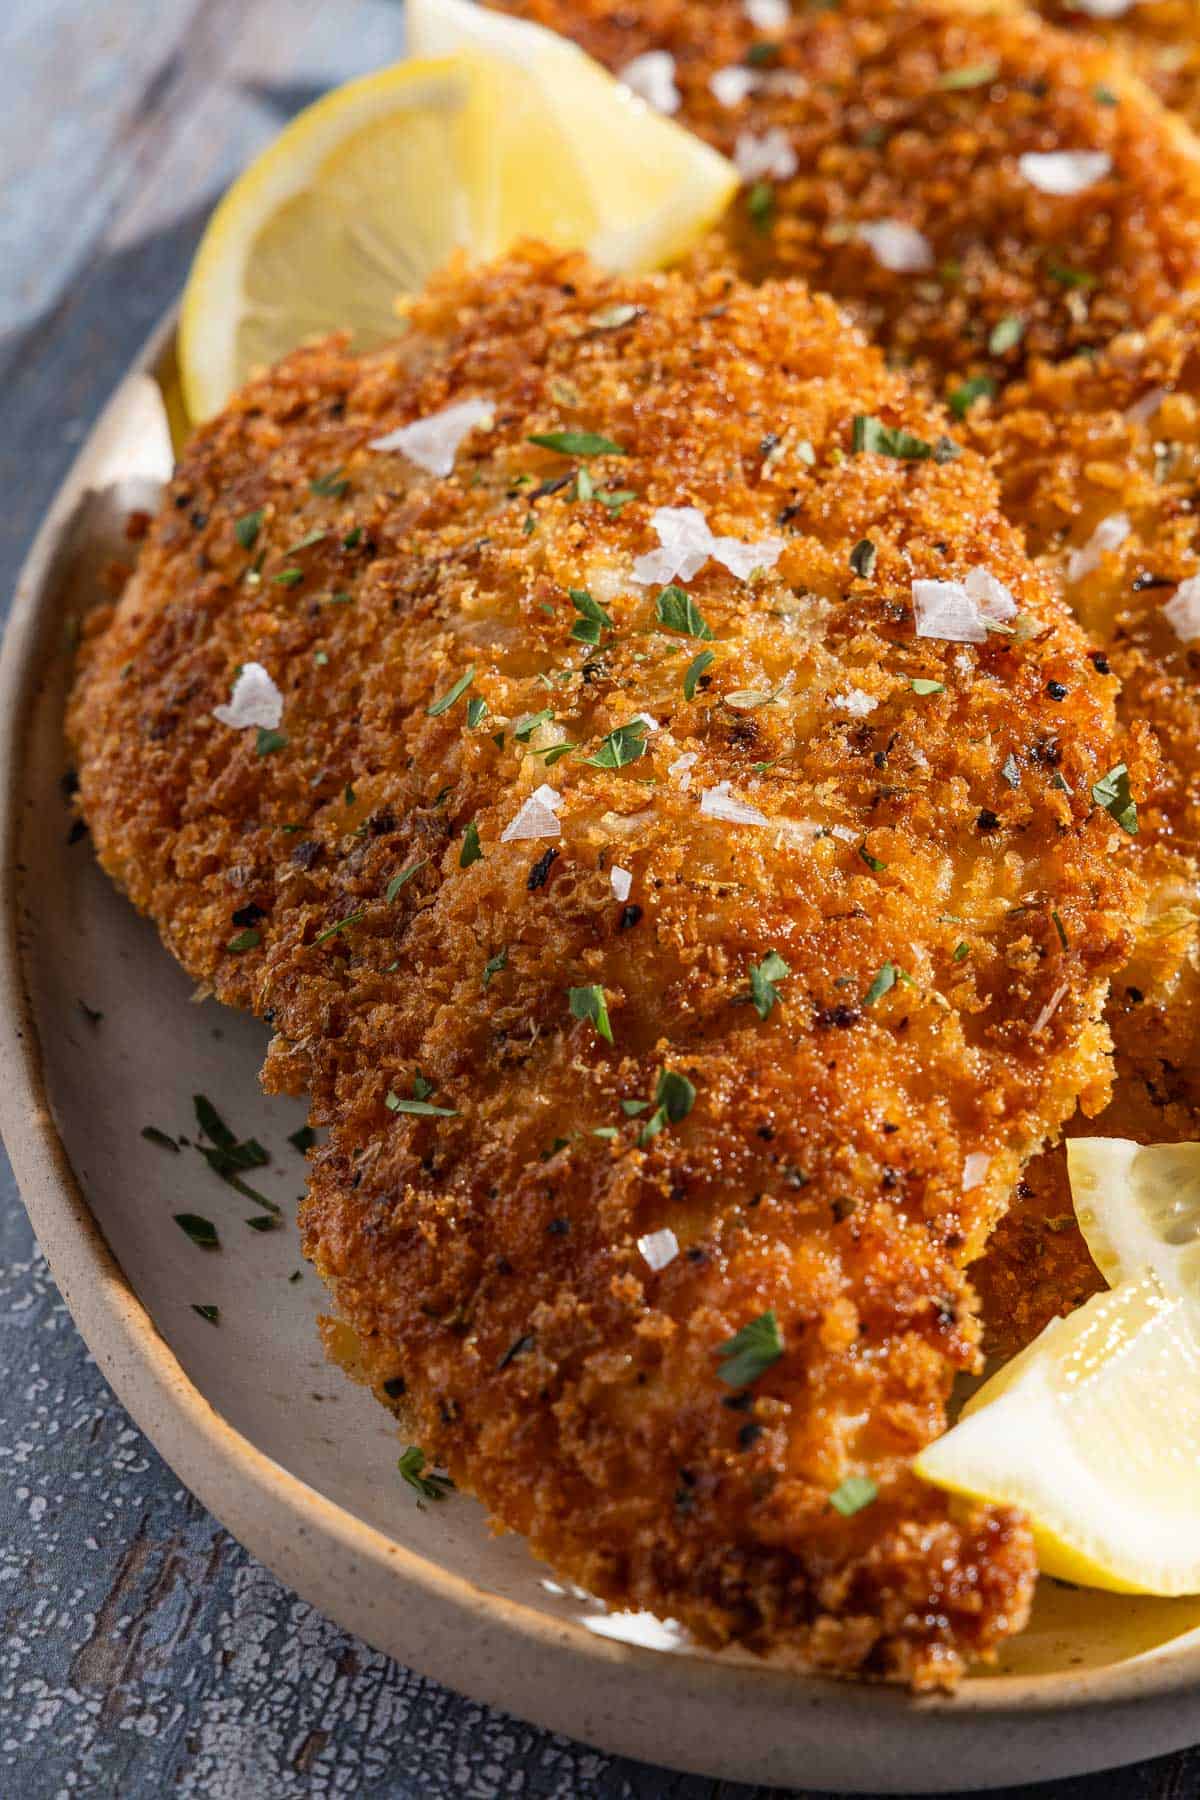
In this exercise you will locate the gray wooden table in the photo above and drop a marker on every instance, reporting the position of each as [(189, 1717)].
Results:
[(143, 1652)]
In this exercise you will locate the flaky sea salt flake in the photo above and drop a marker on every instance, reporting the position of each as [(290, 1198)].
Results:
[(255, 700), (433, 443)]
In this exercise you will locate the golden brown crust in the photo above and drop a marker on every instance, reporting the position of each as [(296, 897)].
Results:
[(876, 135), (1160, 39), (1074, 446), (490, 1256), (860, 95)]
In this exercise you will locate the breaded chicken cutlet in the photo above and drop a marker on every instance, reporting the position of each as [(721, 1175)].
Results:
[(921, 117), (1054, 325), (648, 904)]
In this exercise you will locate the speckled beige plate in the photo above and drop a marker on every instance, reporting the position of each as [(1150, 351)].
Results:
[(296, 1462)]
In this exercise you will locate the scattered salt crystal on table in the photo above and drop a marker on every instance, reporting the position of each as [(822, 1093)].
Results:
[(621, 882)]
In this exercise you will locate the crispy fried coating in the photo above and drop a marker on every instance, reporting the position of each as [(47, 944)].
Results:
[(918, 112), (927, 862), (1159, 38), (1116, 444)]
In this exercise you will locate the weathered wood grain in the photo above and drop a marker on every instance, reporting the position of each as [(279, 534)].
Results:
[(143, 1653)]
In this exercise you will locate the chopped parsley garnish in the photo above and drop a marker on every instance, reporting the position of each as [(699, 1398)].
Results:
[(494, 964), (288, 577), (677, 611), (922, 685), (760, 54), (963, 398), (476, 711), (763, 976), (862, 558), (616, 499), (622, 746), (593, 620), (871, 435), (851, 1495), (760, 204), (1006, 334), (751, 1351), (332, 931), (528, 723), (961, 952), (398, 881), (421, 1109), (437, 707), (247, 528), (589, 1003), (224, 1154), (695, 669), (1104, 96), (1068, 277), (330, 486), (470, 852), (249, 939), (303, 1139), (872, 862), (631, 1108), (576, 443), (265, 1222), (426, 1486), (885, 980), (1112, 793), (268, 741), (552, 753), (1061, 930), (201, 1231), (674, 1099), (212, 1314), (153, 1135), (971, 75)]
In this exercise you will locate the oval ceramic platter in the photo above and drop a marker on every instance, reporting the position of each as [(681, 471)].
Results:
[(101, 1037)]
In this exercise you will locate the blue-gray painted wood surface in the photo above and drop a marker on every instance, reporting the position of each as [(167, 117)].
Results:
[(143, 1652)]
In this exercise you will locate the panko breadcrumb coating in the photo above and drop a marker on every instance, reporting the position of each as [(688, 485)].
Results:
[(918, 114), (681, 1025), (1100, 463), (923, 115), (1159, 38)]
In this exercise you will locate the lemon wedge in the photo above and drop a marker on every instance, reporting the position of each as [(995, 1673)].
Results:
[(369, 191), (1138, 1206), (1094, 1432)]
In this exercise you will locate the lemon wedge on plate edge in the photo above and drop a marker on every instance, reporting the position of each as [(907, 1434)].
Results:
[(1093, 1430), (514, 133)]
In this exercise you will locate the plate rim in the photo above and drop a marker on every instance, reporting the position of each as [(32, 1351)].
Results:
[(498, 1650)]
